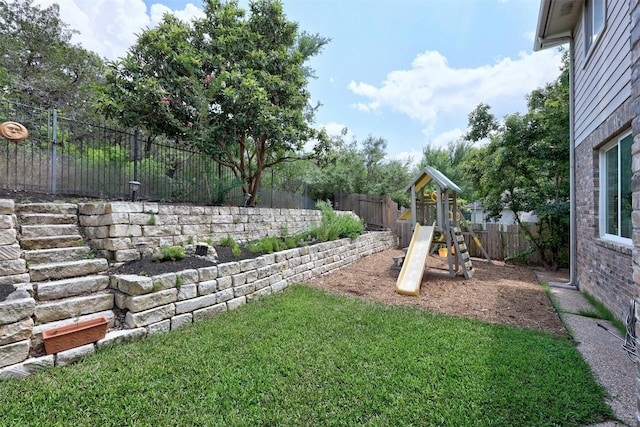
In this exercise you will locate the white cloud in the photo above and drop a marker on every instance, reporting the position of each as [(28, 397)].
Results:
[(443, 139), (431, 91), (413, 157), (110, 27), (332, 128), (187, 14)]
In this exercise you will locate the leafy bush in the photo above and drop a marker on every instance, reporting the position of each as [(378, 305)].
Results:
[(266, 245), (334, 226), (227, 241), (269, 245), (172, 253), (221, 188)]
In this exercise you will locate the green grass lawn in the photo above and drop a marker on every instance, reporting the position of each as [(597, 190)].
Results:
[(306, 357)]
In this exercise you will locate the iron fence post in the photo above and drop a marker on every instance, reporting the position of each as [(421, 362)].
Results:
[(135, 155), (54, 153)]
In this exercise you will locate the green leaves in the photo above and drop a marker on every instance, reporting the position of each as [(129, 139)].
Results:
[(233, 86), (525, 165), (39, 64)]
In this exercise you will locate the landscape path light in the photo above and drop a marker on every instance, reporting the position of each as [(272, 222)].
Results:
[(134, 186)]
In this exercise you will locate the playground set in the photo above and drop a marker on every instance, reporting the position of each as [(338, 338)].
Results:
[(441, 226)]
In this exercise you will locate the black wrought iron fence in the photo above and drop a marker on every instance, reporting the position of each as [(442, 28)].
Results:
[(68, 157)]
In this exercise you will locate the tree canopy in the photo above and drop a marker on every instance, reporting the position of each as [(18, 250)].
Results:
[(230, 85), (453, 162), (40, 65), (360, 167), (525, 165)]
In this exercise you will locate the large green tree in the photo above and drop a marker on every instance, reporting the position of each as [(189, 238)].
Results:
[(359, 167), (525, 165), (231, 85), (39, 63), (452, 162)]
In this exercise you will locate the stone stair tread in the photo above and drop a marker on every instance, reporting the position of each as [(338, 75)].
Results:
[(31, 231), (68, 269), (64, 308), (69, 287), (47, 218), (51, 242), (60, 208), (100, 261), (43, 256)]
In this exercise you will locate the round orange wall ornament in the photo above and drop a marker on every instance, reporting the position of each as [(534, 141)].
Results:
[(14, 131)]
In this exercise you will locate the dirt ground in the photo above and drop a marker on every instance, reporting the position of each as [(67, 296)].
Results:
[(498, 292)]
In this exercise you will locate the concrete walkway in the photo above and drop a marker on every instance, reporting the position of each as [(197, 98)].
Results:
[(602, 351)]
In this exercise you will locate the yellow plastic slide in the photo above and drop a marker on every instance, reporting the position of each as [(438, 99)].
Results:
[(414, 262)]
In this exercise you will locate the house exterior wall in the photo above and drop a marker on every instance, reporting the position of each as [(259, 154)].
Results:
[(602, 90), (634, 9), (603, 75)]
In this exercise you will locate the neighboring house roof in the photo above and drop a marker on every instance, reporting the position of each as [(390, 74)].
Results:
[(440, 179), (556, 21)]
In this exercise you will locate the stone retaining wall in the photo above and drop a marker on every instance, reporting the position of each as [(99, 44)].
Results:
[(125, 231), (166, 302), (16, 301)]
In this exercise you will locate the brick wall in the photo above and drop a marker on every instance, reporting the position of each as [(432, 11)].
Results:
[(604, 269)]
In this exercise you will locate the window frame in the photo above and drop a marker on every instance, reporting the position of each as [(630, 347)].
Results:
[(602, 208), (592, 34)]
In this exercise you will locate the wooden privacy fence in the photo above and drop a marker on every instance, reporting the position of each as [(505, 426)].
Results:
[(377, 212), (501, 241)]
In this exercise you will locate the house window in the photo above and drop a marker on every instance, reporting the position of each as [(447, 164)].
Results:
[(615, 190), (594, 17)]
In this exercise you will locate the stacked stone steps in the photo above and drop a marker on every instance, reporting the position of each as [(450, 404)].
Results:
[(48, 218), (67, 269), (68, 282), (43, 236), (46, 256), (16, 293)]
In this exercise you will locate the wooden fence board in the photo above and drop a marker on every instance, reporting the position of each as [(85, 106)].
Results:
[(378, 212)]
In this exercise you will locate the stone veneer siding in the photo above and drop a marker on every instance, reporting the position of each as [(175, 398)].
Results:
[(604, 269), (634, 11), (125, 231), (163, 303)]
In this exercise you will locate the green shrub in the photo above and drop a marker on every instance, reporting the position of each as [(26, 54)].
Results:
[(236, 250), (266, 245), (227, 241), (291, 242), (349, 226), (172, 253), (334, 226)]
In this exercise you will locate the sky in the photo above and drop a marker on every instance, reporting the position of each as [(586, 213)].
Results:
[(407, 71)]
